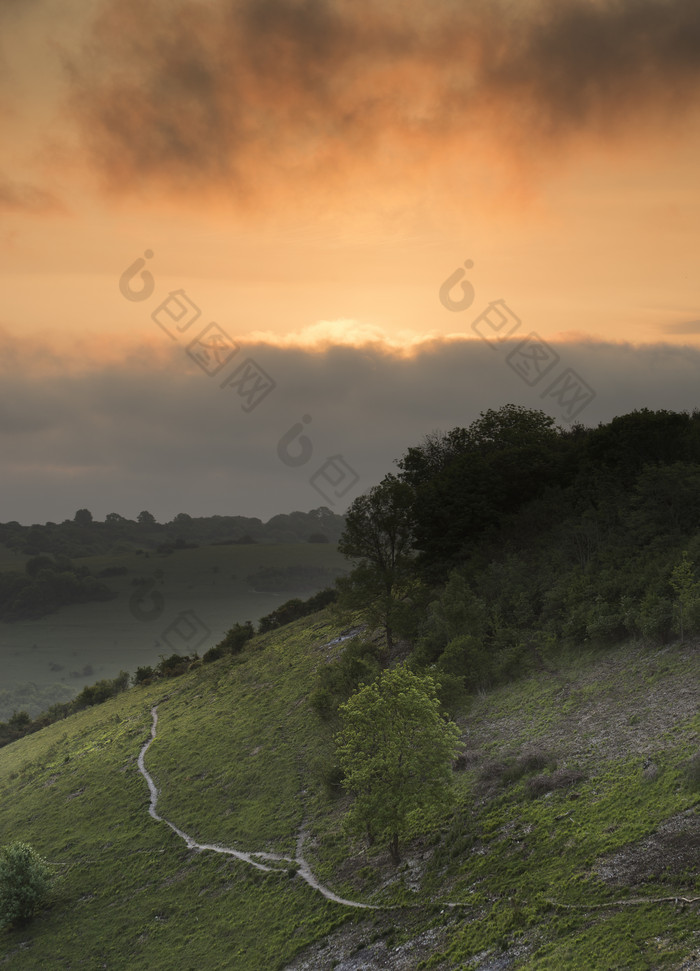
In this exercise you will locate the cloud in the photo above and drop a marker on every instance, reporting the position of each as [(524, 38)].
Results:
[(151, 430), (684, 327), (265, 97), (23, 197)]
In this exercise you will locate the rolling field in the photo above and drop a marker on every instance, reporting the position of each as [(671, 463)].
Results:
[(188, 600)]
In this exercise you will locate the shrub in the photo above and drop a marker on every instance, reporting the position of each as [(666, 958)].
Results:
[(357, 664), (25, 880), (233, 643), (171, 667), (143, 674), (236, 637), (656, 617), (469, 658), (295, 608), (533, 760), (95, 694), (561, 779), (605, 622), (213, 654), (506, 772)]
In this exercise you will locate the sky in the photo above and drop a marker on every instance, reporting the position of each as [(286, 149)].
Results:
[(253, 250)]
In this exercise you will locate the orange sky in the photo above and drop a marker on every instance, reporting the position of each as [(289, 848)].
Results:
[(306, 220), (310, 174)]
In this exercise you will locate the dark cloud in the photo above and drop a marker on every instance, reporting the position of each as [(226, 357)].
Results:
[(586, 63), (156, 432), (188, 94)]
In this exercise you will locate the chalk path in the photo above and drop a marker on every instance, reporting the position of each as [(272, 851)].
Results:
[(253, 859)]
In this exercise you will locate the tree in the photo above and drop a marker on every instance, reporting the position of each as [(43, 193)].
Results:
[(379, 533), (472, 479), (25, 880), (455, 634), (83, 517), (396, 750), (687, 590), (146, 518)]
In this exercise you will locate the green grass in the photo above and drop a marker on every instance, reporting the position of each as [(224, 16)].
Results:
[(52, 658), (241, 759), (129, 892)]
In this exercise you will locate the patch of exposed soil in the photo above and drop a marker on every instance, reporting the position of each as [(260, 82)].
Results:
[(350, 949), (673, 849), (625, 703)]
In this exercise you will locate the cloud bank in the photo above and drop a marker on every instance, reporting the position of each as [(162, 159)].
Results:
[(155, 431)]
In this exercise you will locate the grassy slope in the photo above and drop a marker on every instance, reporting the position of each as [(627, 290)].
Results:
[(51, 653), (239, 757)]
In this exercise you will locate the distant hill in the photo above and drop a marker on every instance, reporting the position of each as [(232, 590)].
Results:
[(84, 536)]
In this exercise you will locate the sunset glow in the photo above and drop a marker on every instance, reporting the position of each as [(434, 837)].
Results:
[(311, 175)]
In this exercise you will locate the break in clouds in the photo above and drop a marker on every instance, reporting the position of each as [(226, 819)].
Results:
[(156, 432)]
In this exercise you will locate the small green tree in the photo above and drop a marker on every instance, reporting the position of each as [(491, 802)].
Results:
[(25, 880), (396, 752)]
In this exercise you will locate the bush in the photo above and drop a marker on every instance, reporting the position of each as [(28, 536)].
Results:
[(296, 608), (213, 654), (173, 666), (656, 618), (144, 674), (95, 694), (561, 779), (605, 622), (467, 657), (233, 643), (358, 663), (506, 772), (237, 637), (25, 880)]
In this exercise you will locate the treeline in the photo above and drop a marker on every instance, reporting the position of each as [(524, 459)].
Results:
[(497, 546), (46, 584), (85, 536)]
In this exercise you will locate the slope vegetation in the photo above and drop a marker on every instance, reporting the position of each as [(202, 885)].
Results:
[(573, 843)]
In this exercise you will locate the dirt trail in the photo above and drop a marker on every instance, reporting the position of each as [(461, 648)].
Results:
[(303, 870)]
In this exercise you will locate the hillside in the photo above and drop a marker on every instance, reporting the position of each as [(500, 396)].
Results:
[(574, 806)]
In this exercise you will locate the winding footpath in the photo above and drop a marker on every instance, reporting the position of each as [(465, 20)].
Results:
[(253, 859)]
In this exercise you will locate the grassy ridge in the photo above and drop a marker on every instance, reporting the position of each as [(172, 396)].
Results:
[(241, 760)]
